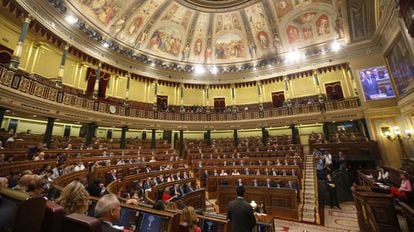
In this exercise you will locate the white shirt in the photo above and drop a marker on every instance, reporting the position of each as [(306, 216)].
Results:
[(328, 159), (383, 177)]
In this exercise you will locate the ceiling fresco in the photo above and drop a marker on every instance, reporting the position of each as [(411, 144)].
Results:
[(182, 31)]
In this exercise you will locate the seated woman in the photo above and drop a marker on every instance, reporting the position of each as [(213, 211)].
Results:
[(74, 198), (188, 221), (404, 189), (166, 196)]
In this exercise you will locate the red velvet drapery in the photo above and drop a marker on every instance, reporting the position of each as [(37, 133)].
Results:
[(334, 91), (103, 82), (5, 54), (219, 103), (278, 98)]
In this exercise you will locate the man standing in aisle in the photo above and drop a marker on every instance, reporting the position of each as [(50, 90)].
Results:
[(240, 213)]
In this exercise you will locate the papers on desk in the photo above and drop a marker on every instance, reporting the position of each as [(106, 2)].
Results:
[(383, 185)]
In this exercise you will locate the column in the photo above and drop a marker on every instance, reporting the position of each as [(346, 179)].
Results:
[(90, 133), (2, 112), (233, 94), (155, 92), (48, 133), (316, 80), (153, 141), (207, 95), (362, 124), (260, 91), (144, 135), (98, 78), (127, 89), (181, 94), (59, 79), (326, 130), (295, 134), (181, 143), (182, 109), (287, 95), (123, 137), (265, 136), (353, 81), (208, 137), (15, 60), (235, 138)]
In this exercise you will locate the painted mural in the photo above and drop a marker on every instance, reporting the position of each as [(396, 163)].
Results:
[(293, 34), (263, 39), (167, 40), (229, 46), (178, 15), (307, 33), (227, 21), (283, 7), (103, 10), (135, 21), (312, 26), (199, 38), (305, 18), (322, 25), (271, 27), (258, 25)]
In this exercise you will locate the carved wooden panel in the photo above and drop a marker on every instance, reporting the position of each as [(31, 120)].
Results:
[(7, 77)]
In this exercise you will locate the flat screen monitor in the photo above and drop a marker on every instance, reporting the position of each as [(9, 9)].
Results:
[(128, 218), (210, 226), (376, 83), (262, 227), (151, 223)]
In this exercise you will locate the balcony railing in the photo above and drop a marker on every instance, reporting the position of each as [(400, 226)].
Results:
[(42, 88)]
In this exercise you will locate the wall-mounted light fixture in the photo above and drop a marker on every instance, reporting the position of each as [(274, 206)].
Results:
[(409, 133)]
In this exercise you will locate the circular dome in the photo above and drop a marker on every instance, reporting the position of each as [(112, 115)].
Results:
[(202, 41)]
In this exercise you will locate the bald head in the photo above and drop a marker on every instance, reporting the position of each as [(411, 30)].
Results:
[(25, 181), (4, 182)]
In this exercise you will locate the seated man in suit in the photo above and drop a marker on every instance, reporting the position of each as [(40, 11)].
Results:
[(188, 188), (108, 210), (268, 183)]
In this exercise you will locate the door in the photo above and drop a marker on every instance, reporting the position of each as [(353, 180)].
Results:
[(334, 91), (278, 98), (219, 104)]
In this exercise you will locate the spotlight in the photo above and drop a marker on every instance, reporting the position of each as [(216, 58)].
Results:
[(214, 70), (293, 56), (335, 46), (199, 69), (71, 19), (105, 45)]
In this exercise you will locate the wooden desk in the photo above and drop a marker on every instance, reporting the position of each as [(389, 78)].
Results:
[(279, 202)]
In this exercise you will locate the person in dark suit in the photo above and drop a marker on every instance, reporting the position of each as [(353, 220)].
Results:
[(333, 198), (108, 210), (370, 85), (240, 213)]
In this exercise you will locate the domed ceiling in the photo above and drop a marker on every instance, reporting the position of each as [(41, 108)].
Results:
[(213, 32)]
